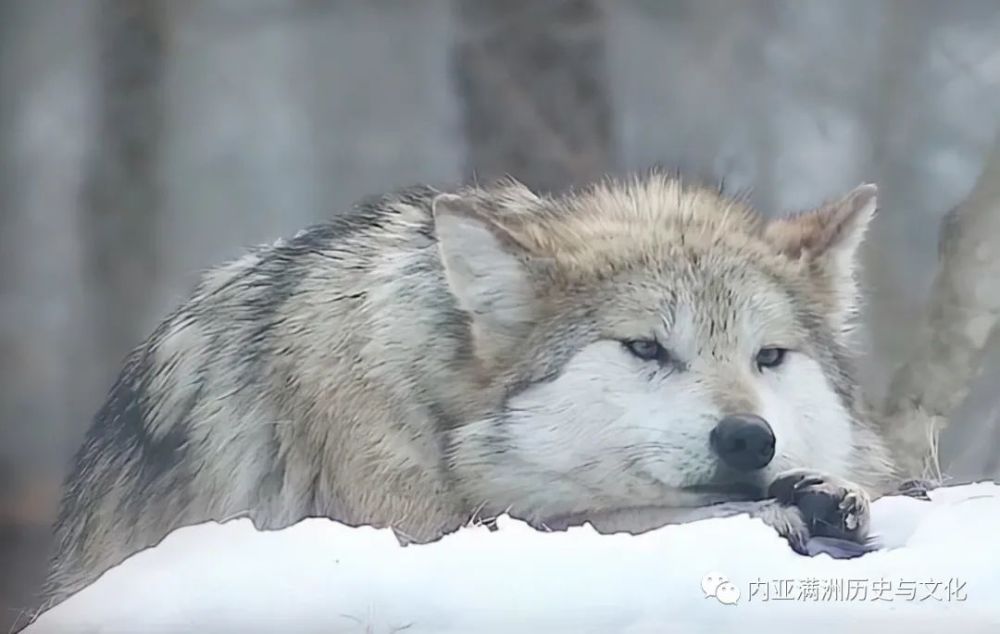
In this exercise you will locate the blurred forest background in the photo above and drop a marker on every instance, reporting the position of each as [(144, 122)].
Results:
[(143, 140)]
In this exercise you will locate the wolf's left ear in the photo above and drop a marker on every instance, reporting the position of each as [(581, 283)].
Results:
[(828, 238), (485, 266)]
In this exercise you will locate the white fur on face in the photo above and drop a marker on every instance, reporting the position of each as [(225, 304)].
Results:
[(812, 428), (611, 429), (614, 431)]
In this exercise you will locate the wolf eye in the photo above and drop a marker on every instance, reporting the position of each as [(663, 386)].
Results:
[(770, 357), (647, 350)]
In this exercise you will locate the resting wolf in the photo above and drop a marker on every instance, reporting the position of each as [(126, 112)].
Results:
[(637, 353)]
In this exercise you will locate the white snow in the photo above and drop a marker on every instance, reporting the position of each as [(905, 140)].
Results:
[(939, 572)]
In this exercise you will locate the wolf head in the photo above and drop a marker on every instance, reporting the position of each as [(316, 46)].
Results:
[(656, 344)]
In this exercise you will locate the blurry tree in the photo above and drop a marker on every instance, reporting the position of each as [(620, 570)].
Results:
[(44, 345), (76, 226), (531, 78), (122, 192), (958, 325)]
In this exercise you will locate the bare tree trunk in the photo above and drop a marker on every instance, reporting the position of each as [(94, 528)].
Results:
[(960, 317), (123, 189), (532, 78), (46, 54), (896, 290)]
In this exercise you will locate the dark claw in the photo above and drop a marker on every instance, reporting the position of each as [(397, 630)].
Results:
[(821, 512), (800, 544), (916, 489), (783, 489), (837, 548), (808, 481)]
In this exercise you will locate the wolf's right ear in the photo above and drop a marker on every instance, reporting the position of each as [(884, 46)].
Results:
[(831, 234), (485, 266), (829, 238)]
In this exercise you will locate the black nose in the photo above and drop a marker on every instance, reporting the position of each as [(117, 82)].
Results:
[(744, 442)]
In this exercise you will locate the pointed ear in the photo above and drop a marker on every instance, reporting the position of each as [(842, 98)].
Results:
[(829, 239), (486, 268)]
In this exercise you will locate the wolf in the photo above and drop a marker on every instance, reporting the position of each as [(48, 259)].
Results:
[(642, 351)]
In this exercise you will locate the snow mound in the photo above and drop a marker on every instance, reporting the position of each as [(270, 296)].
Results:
[(938, 571)]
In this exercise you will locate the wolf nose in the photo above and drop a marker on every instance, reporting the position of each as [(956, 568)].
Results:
[(744, 442)]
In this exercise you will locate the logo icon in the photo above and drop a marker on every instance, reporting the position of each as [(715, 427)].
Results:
[(716, 584)]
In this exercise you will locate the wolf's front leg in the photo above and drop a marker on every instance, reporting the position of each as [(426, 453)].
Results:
[(813, 511)]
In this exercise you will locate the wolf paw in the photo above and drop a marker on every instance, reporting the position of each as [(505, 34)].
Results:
[(818, 513)]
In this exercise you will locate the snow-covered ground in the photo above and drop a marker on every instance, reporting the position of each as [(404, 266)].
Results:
[(939, 571)]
